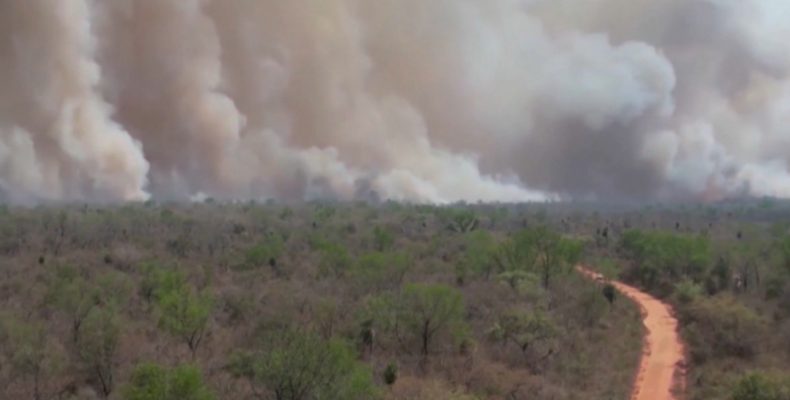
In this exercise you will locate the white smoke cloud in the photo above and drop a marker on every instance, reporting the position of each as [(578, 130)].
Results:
[(57, 136), (439, 101)]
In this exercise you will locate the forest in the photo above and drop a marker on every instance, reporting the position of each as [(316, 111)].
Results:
[(325, 300)]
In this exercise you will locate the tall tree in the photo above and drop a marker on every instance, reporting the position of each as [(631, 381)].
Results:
[(541, 251), (478, 258), (429, 310), (28, 353), (532, 332), (98, 345), (185, 314)]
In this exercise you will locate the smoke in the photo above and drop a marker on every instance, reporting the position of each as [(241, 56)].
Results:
[(57, 137), (430, 101)]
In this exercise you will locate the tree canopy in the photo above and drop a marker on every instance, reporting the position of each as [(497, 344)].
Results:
[(154, 382), (296, 365)]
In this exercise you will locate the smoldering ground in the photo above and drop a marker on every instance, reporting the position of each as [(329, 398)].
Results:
[(434, 101)]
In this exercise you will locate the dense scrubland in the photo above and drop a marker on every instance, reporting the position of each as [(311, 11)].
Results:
[(385, 301)]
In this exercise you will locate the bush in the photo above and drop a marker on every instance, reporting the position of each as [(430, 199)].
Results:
[(376, 272), (686, 292), (391, 374), (430, 310), (185, 314), (153, 382), (335, 259), (478, 258), (609, 292), (761, 386), (294, 365), (722, 327), (417, 316), (264, 253), (98, 345), (662, 259), (591, 307), (534, 334), (158, 281), (383, 238), (540, 251)]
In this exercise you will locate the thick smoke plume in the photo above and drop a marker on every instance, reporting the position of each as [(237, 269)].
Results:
[(434, 101)]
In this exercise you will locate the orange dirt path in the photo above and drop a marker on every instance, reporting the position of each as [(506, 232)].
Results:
[(663, 355)]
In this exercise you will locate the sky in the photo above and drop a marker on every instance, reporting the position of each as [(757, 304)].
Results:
[(411, 100)]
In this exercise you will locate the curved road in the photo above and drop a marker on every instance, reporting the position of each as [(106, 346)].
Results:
[(663, 355)]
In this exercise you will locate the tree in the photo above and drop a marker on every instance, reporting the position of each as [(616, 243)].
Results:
[(419, 314), (376, 272), (760, 386), (533, 332), (335, 259), (28, 352), (98, 345), (784, 251), (265, 253), (539, 250), (390, 374), (609, 268), (380, 314), (153, 382), (720, 277), (184, 313), (590, 307), (478, 258), (498, 216), (72, 295), (660, 259), (516, 254), (524, 282), (56, 238), (323, 213), (295, 365), (721, 326), (557, 255), (686, 292), (76, 297), (429, 310), (383, 238), (609, 292), (326, 315), (459, 220), (158, 281)]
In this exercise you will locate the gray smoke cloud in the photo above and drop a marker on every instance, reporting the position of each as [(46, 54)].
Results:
[(430, 101)]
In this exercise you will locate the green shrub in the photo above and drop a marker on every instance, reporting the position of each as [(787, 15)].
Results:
[(686, 292), (761, 386), (185, 314), (376, 272), (661, 259), (153, 382), (391, 374), (722, 327), (383, 239), (264, 253), (294, 365)]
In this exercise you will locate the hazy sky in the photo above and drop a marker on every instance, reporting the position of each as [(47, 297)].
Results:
[(440, 100)]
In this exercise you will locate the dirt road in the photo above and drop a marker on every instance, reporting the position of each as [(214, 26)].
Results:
[(663, 355)]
